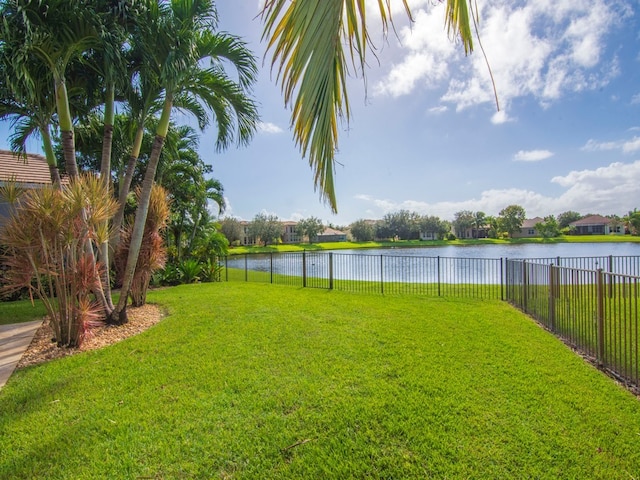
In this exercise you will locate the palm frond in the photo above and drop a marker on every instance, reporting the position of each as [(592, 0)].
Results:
[(307, 39)]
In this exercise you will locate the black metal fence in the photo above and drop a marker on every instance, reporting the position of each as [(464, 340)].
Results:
[(384, 274), (594, 311)]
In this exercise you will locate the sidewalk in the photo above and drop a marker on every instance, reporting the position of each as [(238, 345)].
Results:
[(14, 340)]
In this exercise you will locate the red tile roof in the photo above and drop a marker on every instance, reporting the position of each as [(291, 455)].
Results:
[(32, 170)]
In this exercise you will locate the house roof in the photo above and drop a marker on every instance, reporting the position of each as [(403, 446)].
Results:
[(331, 231), (531, 222), (591, 220), (31, 170)]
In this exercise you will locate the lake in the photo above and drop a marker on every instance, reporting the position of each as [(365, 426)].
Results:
[(524, 250), (476, 264)]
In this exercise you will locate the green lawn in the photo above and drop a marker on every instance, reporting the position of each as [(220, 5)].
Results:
[(21, 311), (265, 381)]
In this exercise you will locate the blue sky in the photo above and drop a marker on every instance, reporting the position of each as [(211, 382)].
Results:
[(425, 134)]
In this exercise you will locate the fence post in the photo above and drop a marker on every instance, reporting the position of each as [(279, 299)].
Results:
[(382, 274), (438, 270), (330, 270), (552, 297), (524, 286), (304, 268), (600, 317), (610, 278), (271, 266), (502, 267)]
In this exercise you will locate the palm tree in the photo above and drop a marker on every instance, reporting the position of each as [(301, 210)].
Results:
[(176, 38), (313, 43), (24, 98), (56, 33)]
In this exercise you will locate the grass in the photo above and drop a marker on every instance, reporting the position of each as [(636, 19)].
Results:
[(21, 311), (263, 381), (431, 243)]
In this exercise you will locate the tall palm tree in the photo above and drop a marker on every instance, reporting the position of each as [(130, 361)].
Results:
[(56, 33), (176, 39), (313, 43)]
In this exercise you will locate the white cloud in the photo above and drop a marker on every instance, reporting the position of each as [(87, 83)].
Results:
[(438, 110), (625, 146), (635, 100), (267, 127), (501, 117), (632, 145), (541, 48), (605, 190), (532, 155), (595, 146)]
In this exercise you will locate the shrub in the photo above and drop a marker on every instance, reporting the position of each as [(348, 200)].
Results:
[(50, 238)]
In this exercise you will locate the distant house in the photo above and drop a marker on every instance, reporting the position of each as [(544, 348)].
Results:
[(29, 172), (290, 234), (596, 225), (428, 235), (331, 235), (528, 228), (246, 239)]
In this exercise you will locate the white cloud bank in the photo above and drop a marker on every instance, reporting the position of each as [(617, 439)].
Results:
[(610, 189), (539, 48)]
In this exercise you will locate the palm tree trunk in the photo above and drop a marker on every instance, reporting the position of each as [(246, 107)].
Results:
[(125, 187), (47, 146), (66, 128), (105, 176), (119, 314)]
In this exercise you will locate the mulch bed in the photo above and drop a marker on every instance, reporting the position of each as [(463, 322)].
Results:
[(42, 349)]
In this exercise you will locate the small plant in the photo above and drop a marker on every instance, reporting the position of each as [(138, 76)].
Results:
[(190, 270), (211, 270)]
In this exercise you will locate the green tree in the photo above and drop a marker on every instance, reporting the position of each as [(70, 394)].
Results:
[(177, 39), (313, 43), (511, 218), (632, 221), (462, 221), (363, 231), (548, 228), (565, 218), (267, 228), (309, 227), (495, 228), (433, 225), (403, 224), (231, 228), (479, 222)]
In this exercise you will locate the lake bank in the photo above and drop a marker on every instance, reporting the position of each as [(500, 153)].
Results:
[(413, 244)]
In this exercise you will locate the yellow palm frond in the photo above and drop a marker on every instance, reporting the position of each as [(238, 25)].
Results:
[(458, 23), (308, 39)]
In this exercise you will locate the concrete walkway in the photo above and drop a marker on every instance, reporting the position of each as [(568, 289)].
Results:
[(14, 340)]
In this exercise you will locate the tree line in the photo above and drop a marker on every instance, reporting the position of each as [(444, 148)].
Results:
[(406, 225)]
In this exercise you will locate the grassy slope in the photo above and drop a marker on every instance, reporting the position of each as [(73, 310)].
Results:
[(263, 381)]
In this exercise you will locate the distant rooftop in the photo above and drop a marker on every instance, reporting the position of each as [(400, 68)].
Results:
[(32, 169)]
